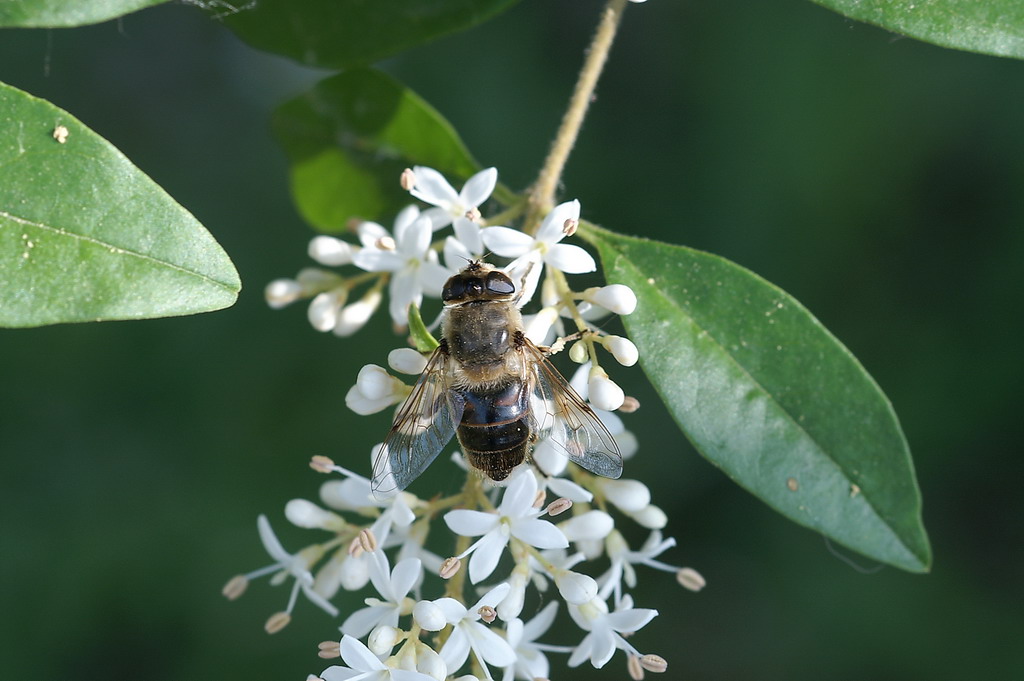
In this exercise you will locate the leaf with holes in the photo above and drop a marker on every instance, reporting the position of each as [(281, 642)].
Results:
[(66, 13), (766, 393), (86, 236)]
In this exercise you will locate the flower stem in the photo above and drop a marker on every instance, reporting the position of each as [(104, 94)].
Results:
[(542, 195)]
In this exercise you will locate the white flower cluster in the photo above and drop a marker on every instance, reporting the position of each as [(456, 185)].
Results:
[(425, 623), (549, 536)]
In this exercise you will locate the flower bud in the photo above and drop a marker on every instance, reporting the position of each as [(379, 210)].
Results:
[(429, 616), (629, 495), (382, 639), (355, 573), (651, 517), (578, 352), (622, 349), (430, 663), (512, 604), (330, 251), (604, 393), (302, 513), (281, 292), (616, 298), (590, 525), (407, 361), (576, 588), (323, 311), (354, 316)]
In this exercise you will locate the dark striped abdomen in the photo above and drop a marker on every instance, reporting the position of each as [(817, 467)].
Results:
[(495, 428)]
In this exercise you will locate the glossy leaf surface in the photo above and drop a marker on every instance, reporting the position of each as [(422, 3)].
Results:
[(66, 13), (339, 35), (766, 393), (989, 26), (349, 139), (85, 235)]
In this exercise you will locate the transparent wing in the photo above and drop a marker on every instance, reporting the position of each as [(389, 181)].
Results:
[(561, 415), (423, 426)]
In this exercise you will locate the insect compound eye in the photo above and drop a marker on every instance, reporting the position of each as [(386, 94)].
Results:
[(500, 284), (455, 288)]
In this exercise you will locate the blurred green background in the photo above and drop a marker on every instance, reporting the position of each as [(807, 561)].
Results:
[(875, 178)]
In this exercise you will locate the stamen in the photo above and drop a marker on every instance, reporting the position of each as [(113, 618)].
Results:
[(408, 179), (690, 579), (329, 649), (570, 226), (449, 567), (633, 666), (355, 548), (277, 622), (654, 663), (235, 587), (367, 540), (629, 405), (538, 498), (321, 464), (487, 613), (560, 505)]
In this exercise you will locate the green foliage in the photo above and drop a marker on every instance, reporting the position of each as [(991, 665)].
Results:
[(765, 392), (349, 139), (340, 35), (990, 27), (66, 13), (85, 235)]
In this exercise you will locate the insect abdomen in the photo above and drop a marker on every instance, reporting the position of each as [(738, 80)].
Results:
[(495, 428)]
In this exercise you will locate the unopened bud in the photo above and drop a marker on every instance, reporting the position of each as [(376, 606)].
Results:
[(281, 292), (328, 649), (408, 179), (690, 579), (487, 613), (559, 505), (235, 587), (604, 392), (382, 639), (321, 464), (323, 310), (654, 663), (629, 405), (570, 226), (616, 298), (623, 350), (636, 671), (330, 251), (578, 352), (277, 622), (367, 540), (449, 567), (651, 517), (355, 315), (429, 616)]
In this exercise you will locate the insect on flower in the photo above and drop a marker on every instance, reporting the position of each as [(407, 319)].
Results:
[(490, 386)]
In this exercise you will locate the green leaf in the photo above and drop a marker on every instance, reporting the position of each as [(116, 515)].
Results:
[(65, 13), (766, 393), (987, 26), (340, 34), (349, 139), (420, 336), (85, 235)]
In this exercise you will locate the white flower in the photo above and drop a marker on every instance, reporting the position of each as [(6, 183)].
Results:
[(330, 251), (409, 258), (431, 187), (604, 393), (354, 494), (532, 253), (375, 390), (468, 633), (296, 565), (282, 292), (466, 246), (531, 663), (303, 513), (516, 517), (605, 629), (354, 316), (623, 559), (617, 298), (623, 350), (393, 586), (363, 665)]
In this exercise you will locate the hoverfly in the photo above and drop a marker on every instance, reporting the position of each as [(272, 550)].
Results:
[(490, 386)]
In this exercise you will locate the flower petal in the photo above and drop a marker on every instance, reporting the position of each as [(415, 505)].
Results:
[(602, 647), (506, 242), (414, 240), (552, 230), (479, 187), (541, 622), (404, 576), (468, 234), (377, 260), (539, 533), (518, 498), (630, 620), (487, 554), (570, 259), (432, 188), (489, 646), (470, 523), (455, 649), (270, 541), (358, 656), (362, 621)]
